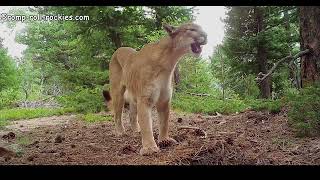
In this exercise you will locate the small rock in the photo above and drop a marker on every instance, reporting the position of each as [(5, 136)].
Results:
[(21, 125), (58, 139), (73, 146), (179, 120)]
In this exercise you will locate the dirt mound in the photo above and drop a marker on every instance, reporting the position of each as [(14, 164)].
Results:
[(27, 125), (245, 138)]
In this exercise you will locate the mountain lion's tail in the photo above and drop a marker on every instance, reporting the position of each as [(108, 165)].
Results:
[(107, 98)]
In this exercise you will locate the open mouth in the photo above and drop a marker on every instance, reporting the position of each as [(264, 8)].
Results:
[(196, 48)]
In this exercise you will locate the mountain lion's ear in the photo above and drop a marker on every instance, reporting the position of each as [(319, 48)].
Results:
[(170, 29)]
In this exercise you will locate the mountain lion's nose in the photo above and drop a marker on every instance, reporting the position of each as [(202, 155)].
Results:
[(204, 36), (203, 39)]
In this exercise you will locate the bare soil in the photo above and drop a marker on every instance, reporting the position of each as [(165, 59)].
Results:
[(249, 138)]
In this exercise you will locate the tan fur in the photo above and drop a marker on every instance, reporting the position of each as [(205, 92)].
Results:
[(143, 78)]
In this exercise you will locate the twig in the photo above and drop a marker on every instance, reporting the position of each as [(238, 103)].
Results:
[(222, 148), (198, 152), (227, 132), (222, 122), (188, 127), (262, 76)]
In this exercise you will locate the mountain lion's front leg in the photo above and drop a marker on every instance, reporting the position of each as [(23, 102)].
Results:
[(163, 110), (133, 118), (149, 146)]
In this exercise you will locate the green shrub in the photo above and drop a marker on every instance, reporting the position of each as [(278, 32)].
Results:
[(84, 100), (304, 113), (23, 140), (273, 106), (8, 96), (211, 105)]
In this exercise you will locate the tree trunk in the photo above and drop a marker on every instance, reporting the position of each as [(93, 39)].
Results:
[(222, 74), (293, 68), (158, 23), (265, 85), (176, 75), (25, 93), (310, 39), (115, 37)]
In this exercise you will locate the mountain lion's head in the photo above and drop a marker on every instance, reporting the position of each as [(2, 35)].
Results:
[(188, 37)]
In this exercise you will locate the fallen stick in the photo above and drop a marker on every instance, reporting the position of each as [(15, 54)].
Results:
[(197, 130), (226, 132), (188, 127), (198, 152)]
